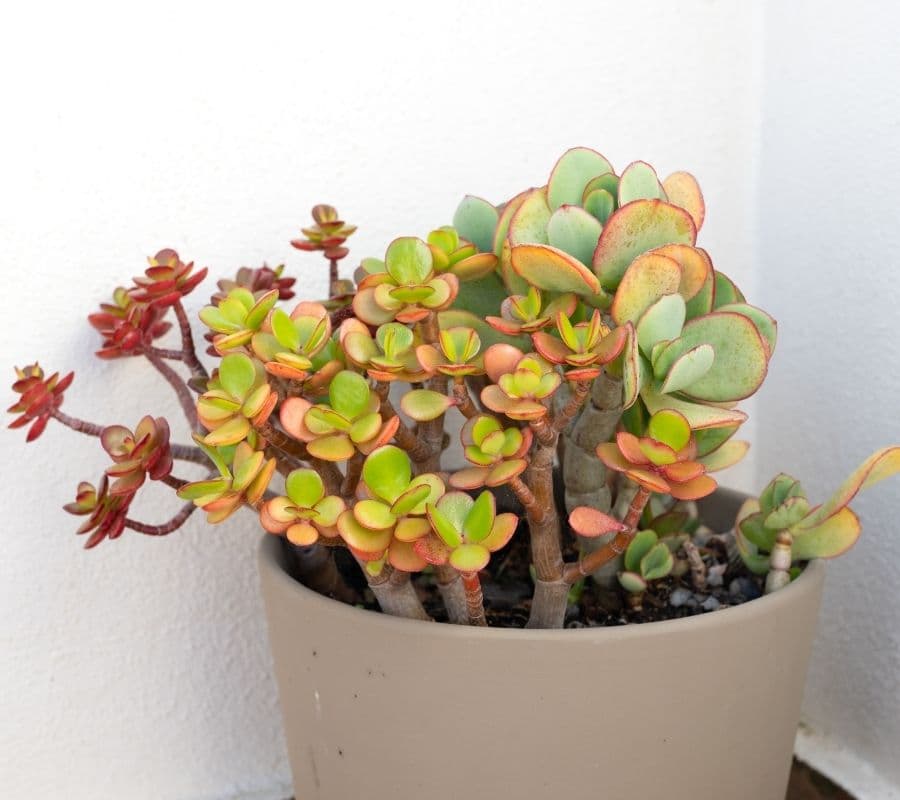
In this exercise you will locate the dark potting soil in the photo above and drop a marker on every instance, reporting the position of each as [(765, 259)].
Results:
[(507, 587)]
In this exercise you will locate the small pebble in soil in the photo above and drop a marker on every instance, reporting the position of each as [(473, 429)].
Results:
[(710, 603), (744, 589), (715, 573), (679, 597)]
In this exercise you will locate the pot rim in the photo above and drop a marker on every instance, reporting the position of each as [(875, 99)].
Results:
[(270, 560)]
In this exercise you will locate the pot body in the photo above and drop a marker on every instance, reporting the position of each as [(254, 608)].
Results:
[(379, 707)]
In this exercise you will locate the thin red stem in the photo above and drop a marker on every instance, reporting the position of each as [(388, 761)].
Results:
[(76, 424), (167, 527), (188, 351), (185, 397), (474, 598)]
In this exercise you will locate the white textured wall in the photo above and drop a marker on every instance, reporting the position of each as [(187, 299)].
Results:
[(829, 255), (140, 670)]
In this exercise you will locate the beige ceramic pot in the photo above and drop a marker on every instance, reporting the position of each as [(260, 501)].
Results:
[(380, 708)]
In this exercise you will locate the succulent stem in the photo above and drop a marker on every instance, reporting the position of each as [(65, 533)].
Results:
[(526, 497), (333, 276), (474, 598), (188, 406), (432, 432), (188, 351), (75, 424), (314, 566), (354, 471), (167, 527), (567, 413), (464, 399), (171, 480), (698, 567), (780, 561), (616, 546), (395, 593), (283, 442), (452, 593)]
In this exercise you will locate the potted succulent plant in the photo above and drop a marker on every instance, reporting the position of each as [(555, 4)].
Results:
[(595, 359)]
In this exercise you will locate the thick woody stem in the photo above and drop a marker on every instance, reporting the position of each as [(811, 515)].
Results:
[(162, 352), (332, 275), (315, 567), (432, 433), (548, 608), (283, 442), (177, 383), (576, 400), (354, 471), (464, 400), (188, 351), (329, 473), (615, 547), (453, 594), (167, 527), (544, 432), (417, 449), (474, 598), (526, 498), (395, 593)]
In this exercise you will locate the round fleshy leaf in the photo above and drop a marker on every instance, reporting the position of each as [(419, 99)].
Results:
[(741, 356), (292, 415), (661, 322), (634, 229), (436, 490), (476, 219), (116, 439), (641, 544), (237, 374), (349, 394), (632, 582), (683, 190), (639, 182), (443, 526), (374, 515), (470, 557), (727, 291), (387, 472), (697, 276), (727, 455), (408, 260), (469, 478), (424, 405), (688, 368), (648, 278), (572, 173), (590, 522), (764, 323), (670, 428), (831, 537), (600, 204), (365, 428), (505, 471), (302, 534), (548, 268), (411, 529), (700, 416), (336, 447), (480, 518), (574, 231), (411, 498), (328, 509), (693, 489), (285, 331), (232, 432), (657, 563), (362, 539), (503, 529), (403, 556), (366, 307), (304, 487)]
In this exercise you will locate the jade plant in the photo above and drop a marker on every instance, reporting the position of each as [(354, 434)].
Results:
[(575, 340)]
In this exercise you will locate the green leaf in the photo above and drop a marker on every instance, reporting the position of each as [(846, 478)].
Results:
[(638, 547), (285, 331), (688, 368), (480, 518), (648, 278), (424, 405), (699, 416), (476, 219), (387, 472), (443, 527), (374, 515), (304, 487), (348, 394), (741, 356), (454, 318), (639, 182), (411, 498), (470, 558), (546, 267), (880, 465), (634, 229), (571, 174), (670, 428), (661, 322), (237, 374), (789, 513), (575, 231), (482, 297), (200, 489), (727, 291), (232, 432), (832, 537), (599, 204), (764, 323), (657, 563), (683, 190), (408, 260), (632, 583)]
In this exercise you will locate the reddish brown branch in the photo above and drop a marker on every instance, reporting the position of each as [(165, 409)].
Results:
[(591, 562), (566, 414), (75, 424), (175, 483), (544, 432), (474, 598), (188, 351), (464, 401), (185, 397), (167, 527)]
